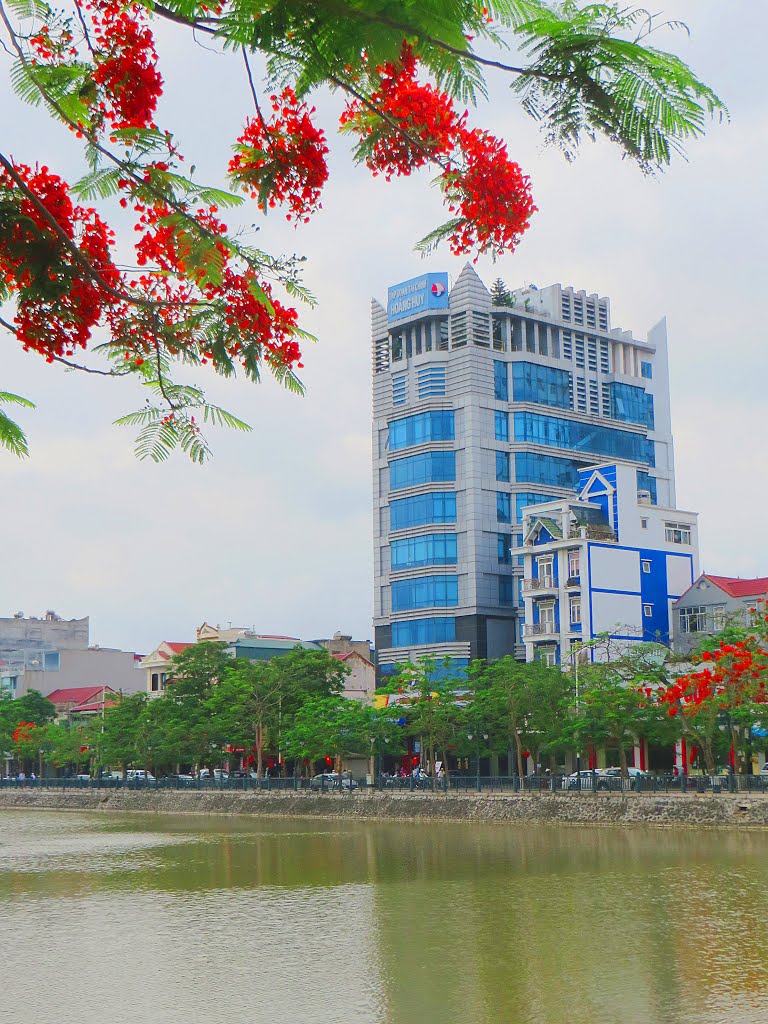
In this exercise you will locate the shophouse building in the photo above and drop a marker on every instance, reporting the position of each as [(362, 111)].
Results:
[(603, 569)]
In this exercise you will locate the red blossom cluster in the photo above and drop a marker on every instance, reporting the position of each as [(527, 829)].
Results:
[(256, 323), (52, 49), (58, 303), (126, 63), (23, 732), (732, 674), (485, 190), (490, 195), (417, 123), (282, 160)]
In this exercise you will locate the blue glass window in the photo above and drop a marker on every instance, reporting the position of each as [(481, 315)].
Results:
[(507, 590), (425, 592), (650, 414), (543, 384), (650, 454), (630, 404), (504, 548), (431, 381), (414, 632), (646, 482), (500, 381), (646, 370), (503, 507), (560, 433), (433, 549), (426, 426), (547, 470), (422, 469), (501, 424), (529, 498), (502, 466), (399, 389), (436, 507)]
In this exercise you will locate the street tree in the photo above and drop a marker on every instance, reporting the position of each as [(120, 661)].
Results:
[(247, 703), (434, 712), (69, 744), (331, 727), (724, 695), (527, 701), (195, 291)]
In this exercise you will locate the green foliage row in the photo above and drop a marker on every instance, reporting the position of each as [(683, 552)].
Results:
[(217, 709)]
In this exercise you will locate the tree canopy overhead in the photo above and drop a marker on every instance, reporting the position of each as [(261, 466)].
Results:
[(195, 291)]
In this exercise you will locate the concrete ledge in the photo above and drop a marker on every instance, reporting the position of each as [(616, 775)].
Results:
[(686, 811)]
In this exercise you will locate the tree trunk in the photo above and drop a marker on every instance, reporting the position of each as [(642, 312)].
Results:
[(622, 758), (737, 761), (431, 764), (519, 746), (445, 764), (259, 750), (709, 757)]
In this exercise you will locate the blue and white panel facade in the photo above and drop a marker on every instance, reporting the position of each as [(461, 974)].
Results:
[(581, 583)]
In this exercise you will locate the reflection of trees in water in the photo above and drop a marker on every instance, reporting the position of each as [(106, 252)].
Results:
[(483, 923)]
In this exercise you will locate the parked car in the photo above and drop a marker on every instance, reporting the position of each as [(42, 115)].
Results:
[(636, 776), (330, 780), (140, 775), (587, 779), (218, 774)]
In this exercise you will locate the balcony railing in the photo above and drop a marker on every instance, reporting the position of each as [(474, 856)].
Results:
[(539, 629), (542, 583)]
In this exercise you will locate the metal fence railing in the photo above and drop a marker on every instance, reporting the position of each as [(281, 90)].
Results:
[(587, 783)]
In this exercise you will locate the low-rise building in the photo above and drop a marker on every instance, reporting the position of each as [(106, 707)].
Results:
[(604, 564), (82, 701), (263, 648), (361, 681), (51, 653), (711, 604), (342, 643), (155, 666)]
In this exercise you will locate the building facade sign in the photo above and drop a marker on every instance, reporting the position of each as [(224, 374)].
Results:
[(408, 299)]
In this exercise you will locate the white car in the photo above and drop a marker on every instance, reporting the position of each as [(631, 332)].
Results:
[(139, 775)]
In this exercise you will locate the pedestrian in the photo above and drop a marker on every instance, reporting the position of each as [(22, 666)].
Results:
[(22, 776), (32, 777)]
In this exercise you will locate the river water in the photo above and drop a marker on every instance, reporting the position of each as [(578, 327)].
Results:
[(126, 919)]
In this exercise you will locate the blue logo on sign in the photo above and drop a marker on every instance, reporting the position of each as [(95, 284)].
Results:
[(419, 295)]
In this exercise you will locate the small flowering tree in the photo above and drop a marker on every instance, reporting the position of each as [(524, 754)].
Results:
[(194, 291), (725, 695)]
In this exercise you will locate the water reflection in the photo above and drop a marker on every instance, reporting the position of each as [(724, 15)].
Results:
[(198, 920)]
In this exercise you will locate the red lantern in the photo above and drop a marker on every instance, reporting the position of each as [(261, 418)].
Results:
[(415, 760), (328, 760)]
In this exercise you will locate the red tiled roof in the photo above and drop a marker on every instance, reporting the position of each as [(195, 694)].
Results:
[(178, 648), (351, 654), (734, 586), (77, 694), (95, 707)]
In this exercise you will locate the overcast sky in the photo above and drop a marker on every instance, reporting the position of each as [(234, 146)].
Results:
[(275, 532)]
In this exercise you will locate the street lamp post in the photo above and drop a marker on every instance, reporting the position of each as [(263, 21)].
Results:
[(470, 737)]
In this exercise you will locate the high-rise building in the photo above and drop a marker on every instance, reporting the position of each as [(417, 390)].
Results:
[(483, 406)]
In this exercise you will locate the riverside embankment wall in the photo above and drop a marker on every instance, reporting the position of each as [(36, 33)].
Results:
[(674, 810)]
